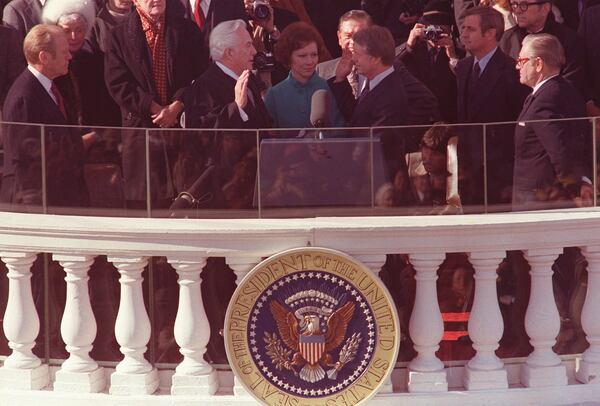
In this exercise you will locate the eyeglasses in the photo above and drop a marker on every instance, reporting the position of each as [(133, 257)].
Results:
[(522, 61), (524, 5)]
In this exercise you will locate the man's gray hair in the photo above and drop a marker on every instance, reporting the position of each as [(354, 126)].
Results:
[(547, 47), (223, 37)]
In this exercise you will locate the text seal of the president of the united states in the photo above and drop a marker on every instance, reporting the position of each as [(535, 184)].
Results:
[(311, 326)]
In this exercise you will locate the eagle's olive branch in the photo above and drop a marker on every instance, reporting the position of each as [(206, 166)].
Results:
[(279, 355), (347, 354)]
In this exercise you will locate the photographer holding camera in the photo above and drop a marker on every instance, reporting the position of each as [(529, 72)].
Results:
[(430, 55)]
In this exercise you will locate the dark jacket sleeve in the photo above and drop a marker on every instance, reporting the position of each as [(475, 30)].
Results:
[(14, 63), (556, 138), (120, 81), (343, 97), (203, 111), (422, 104)]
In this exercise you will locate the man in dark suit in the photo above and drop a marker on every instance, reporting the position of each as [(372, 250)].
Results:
[(548, 154), (22, 15), (150, 59), (382, 100), (13, 61), (535, 16), (34, 99), (226, 96), (422, 104), (488, 92)]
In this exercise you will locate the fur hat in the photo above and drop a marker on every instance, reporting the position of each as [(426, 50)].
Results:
[(55, 9)]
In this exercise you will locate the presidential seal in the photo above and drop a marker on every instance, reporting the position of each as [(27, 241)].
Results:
[(311, 326)]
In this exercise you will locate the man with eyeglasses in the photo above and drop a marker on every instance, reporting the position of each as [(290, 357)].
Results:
[(548, 153), (535, 16)]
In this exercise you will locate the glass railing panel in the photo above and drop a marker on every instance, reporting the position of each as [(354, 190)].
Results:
[(21, 188), (430, 170), (202, 173), (95, 171), (539, 165), (318, 172)]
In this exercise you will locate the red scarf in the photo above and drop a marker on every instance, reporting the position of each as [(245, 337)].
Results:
[(155, 37)]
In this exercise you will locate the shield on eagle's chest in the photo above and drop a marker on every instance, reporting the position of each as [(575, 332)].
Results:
[(312, 348)]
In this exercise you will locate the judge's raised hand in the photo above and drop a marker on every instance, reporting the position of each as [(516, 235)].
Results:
[(241, 89), (345, 65)]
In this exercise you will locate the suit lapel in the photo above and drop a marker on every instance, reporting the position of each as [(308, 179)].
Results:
[(54, 115), (526, 105)]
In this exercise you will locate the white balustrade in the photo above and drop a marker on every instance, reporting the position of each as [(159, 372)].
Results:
[(241, 266), (543, 373), (542, 323), (485, 370), (134, 375), (193, 376), (21, 324), (79, 373), (426, 370), (588, 368)]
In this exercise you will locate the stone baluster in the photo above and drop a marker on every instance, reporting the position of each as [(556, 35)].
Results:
[(375, 263), (22, 369), (542, 323), (426, 370), (485, 370), (241, 267), (588, 368), (134, 375), (79, 373), (193, 376)]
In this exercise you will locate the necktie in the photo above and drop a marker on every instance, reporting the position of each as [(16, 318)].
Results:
[(365, 91), (59, 99), (353, 80), (476, 72), (199, 16)]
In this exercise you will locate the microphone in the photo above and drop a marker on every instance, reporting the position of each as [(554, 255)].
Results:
[(187, 199), (320, 109)]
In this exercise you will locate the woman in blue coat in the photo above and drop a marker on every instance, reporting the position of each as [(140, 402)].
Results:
[(289, 101)]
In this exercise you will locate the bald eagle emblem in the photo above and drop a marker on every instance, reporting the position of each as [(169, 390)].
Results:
[(310, 334)]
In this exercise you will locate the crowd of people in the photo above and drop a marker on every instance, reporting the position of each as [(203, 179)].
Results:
[(287, 64)]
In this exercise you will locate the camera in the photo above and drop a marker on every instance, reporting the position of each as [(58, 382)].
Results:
[(261, 9), (264, 61), (433, 32)]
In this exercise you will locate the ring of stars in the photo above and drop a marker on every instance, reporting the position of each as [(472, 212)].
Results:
[(276, 376)]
